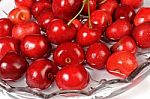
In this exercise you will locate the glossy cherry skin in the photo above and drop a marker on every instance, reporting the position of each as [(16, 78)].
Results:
[(59, 32), (8, 44), (125, 12), (41, 74), (41, 0), (20, 15), (142, 16), (19, 31), (72, 77), (141, 34), (133, 3), (110, 6), (77, 24), (12, 66), (119, 29), (121, 64), (66, 9), (35, 46), (26, 3), (126, 43), (68, 53), (5, 27), (97, 55)]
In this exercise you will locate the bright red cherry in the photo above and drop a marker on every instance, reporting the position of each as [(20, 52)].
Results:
[(12, 66), (41, 0), (142, 16), (5, 27), (35, 46), (19, 31), (40, 74), (119, 29), (72, 77), (125, 44), (26, 3), (97, 55), (134, 3), (141, 34), (66, 9), (121, 64), (68, 53), (77, 24), (20, 15), (59, 32)]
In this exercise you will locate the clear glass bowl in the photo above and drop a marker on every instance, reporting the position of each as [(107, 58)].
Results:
[(102, 84)]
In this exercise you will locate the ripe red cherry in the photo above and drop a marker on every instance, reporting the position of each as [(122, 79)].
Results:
[(125, 44), (68, 53), (20, 15), (8, 44), (125, 12), (19, 31), (34, 46), (12, 66), (40, 74), (141, 34), (133, 3), (26, 3), (142, 16), (109, 6), (72, 77), (121, 64), (59, 32), (66, 9), (118, 29), (5, 27), (41, 0), (97, 55), (77, 24)]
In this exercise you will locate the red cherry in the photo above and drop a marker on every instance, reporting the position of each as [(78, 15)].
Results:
[(97, 55), (142, 16), (125, 12), (133, 3), (20, 15), (66, 9), (8, 44), (26, 3), (21, 30), (72, 77), (141, 34), (58, 32), (5, 27), (68, 53), (41, 0), (125, 44), (121, 64), (12, 66), (119, 29), (77, 24), (40, 74), (34, 46)]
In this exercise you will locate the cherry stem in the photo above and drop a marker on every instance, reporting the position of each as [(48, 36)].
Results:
[(5, 12), (69, 23), (103, 1), (89, 14)]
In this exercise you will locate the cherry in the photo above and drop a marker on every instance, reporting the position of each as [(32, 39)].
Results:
[(125, 12), (121, 64), (34, 46), (20, 15), (72, 77), (58, 32), (68, 53), (5, 27), (141, 34), (21, 30), (41, 0), (133, 3), (26, 3), (40, 74), (118, 29), (126, 43), (142, 16), (77, 24), (8, 44), (66, 9), (12, 66), (97, 55)]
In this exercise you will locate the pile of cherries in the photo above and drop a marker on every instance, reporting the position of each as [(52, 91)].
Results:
[(52, 40)]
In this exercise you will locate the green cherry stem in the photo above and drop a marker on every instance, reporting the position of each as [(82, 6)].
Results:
[(69, 23), (89, 14)]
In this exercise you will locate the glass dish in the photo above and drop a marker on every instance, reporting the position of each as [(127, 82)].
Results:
[(102, 84)]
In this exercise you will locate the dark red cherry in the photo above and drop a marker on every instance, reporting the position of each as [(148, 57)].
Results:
[(133, 3), (12, 66), (68, 53), (40, 74), (26, 3), (72, 77), (97, 55)]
